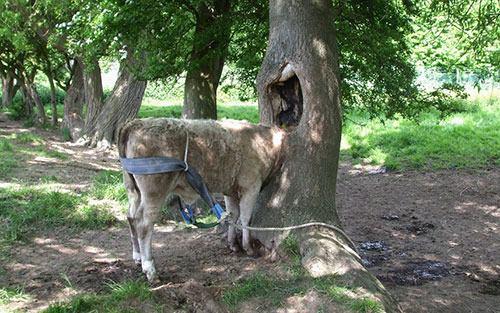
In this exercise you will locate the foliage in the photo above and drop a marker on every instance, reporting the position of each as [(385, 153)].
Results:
[(457, 35)]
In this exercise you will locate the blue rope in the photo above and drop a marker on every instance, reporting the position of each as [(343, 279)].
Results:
[(160, 165)]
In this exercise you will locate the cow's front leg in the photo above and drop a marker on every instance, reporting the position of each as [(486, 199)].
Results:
[(233, 208), (247, 204)]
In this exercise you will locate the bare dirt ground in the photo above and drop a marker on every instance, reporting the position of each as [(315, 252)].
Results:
[(432, 238)]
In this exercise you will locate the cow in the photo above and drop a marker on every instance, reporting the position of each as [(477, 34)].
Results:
[(235, 158)]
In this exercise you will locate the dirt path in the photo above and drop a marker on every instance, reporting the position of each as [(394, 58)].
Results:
[(432, 238)]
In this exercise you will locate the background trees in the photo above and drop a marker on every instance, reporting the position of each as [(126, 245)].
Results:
[(206, 42)]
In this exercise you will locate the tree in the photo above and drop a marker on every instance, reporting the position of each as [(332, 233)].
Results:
[(210, 42), (73, 121), (299, 88), (122, 105), (457, 35)]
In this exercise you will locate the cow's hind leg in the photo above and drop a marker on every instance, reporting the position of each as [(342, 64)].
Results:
[(247, 204), (233, 207), (154, 190), (134, 200)]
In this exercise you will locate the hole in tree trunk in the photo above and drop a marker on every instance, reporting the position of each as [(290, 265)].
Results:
[(287, 96)]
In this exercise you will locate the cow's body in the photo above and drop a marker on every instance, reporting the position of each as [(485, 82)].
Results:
[(234, 158)]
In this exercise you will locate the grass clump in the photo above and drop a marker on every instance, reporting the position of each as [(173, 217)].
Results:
[(109, 185), (273, 290), (346, 296), (129, 296), (8, 157), (27, 138), (26, 209), (8, 295)]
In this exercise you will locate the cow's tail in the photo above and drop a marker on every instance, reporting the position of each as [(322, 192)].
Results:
[(123, 139), (128, 179)]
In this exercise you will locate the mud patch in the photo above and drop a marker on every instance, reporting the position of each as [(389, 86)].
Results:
[(419, 228), (373, 246), (95, 275), (491, 287), (417, 273)]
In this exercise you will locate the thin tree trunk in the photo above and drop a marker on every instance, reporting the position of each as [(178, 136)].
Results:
[(73, 103), (93, 93), (33, 93), (28, 102), (8, 90), (53, 100), (121, 106), (299, 90), (207, 60)]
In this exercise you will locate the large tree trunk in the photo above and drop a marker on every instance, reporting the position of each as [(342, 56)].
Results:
[(299, 90), (121, 106), (8, 90), (93, 93), (207, 60), (73, 103)]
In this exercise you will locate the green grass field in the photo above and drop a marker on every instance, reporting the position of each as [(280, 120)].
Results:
[(469, 139)]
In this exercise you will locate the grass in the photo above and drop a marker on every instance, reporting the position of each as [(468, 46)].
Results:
[(25, 209), (8, 157), (236, 112), (129, 296), (274, 290), (108, 185), (467, 139), (16, 147), (8, 295), (463, 140)]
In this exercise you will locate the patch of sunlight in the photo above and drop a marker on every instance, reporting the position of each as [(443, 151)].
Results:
[(365, 131), (377, 156), (344, 143), (9, 185), (457, 120)]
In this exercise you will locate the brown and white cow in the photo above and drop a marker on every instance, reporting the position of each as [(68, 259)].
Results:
[(233, 157)]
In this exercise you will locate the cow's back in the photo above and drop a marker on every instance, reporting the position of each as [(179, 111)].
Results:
[(212, 150)]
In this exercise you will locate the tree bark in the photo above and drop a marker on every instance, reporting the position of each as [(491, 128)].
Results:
[(299, 90), (93, 93), (35, 97), (121, 106), (8, 90), (73, 103), (28, 102), (53, 100), (207, 60)]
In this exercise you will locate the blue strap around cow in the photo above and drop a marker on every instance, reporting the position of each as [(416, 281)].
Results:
[(158, 165)]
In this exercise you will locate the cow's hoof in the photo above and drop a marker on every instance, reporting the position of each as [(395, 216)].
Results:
[(235, 247), (137, 258), (148, 268), (250, 252)]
